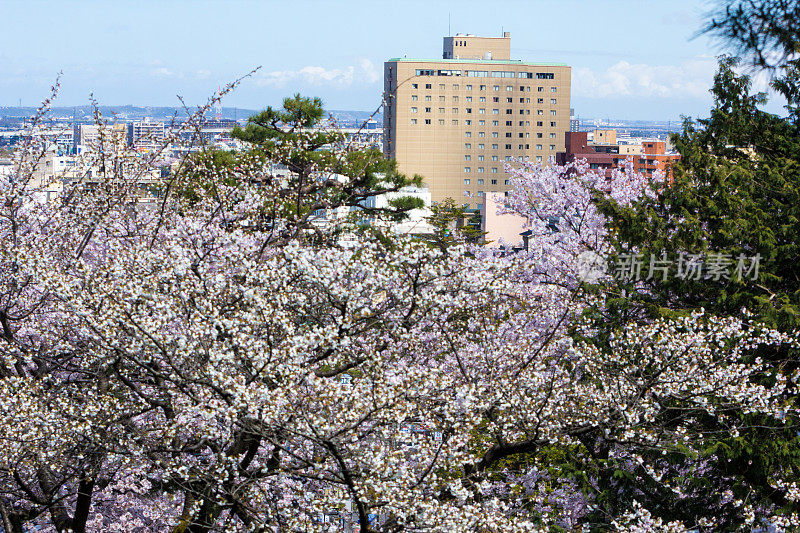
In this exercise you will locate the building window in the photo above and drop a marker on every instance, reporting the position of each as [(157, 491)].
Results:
[(441, 98), (466, 181), (495, 123), (496, 99), (482, 99), (538, 159), (427, 109), (467, 157), (495, 134), (509, 158), (413, 121), (483, 87), (527, 146), (552, 124), (441, 86), (540, 100), (509, 122), (455, 110), (496, 87), (539, 123), (480, 193), (455, 99), (553, 89), (553, 101), (468, 123), (520, 135), (467, 134), (495, 111), (455, 87), (494, 182), (521, 100), (495, 147), (427, 121), (455, 123), (481, 134), (467, 169), (552, 135), (552, 146), (482, 111), (538, 146), (506, 182), (480, 157), (509, 100), (469, 98), (441, 110), (481, 147), (469, 110), (538, 135), (494, 170), (481, 123), (540, 112), (467, 146), (415, 86), (441, 122), (428, 98), (540, 89), (413, 109), (509, 88), (494, 158), (481, 170), (508, 134), (509, 111), (521, 122), (427, 85), (553, 112), (413, 97), (520, 147), (469, 87), (508, 147)]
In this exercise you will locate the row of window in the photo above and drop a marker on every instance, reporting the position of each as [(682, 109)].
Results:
[(507, 147), (509, 88), (480, 182), (468, 99), (468, 122), (482, 111), (485, 74)]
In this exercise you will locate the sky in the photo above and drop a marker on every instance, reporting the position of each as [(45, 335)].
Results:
[(630, 59)]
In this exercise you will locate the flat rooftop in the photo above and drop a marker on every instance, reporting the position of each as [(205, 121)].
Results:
[(476, 61)]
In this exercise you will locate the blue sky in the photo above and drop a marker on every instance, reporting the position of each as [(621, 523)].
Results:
[(630, 58)]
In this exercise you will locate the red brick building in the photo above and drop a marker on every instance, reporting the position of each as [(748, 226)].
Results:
[(654, 155)]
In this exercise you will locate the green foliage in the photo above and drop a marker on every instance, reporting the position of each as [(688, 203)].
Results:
[(325, 170), (453, 224), (735, 191)]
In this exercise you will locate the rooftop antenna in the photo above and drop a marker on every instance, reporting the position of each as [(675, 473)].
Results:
[(448, 24)]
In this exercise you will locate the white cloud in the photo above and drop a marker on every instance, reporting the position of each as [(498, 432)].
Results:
[(203, 74), (690, 79), (363, 72), (162, 72)]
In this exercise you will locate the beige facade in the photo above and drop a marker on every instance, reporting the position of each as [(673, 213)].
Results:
[(457, 122), (605, 137)]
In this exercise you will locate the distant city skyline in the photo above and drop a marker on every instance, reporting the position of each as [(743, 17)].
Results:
[(630, 59)]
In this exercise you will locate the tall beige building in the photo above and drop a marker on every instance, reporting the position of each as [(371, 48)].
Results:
[(458, 120)]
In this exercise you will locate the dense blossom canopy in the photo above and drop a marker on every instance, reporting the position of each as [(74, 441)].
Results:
[(198, 364)]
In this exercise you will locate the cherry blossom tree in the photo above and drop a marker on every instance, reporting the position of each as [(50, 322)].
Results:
[(192, 365)]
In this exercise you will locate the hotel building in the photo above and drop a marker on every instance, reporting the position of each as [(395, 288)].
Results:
[(458, 120)]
